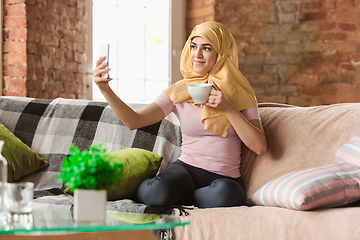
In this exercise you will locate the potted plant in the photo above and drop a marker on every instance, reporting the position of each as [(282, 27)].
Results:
[(89, 174)]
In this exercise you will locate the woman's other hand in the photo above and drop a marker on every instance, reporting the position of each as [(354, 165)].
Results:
[(250, 132), (218, 99), (102, 83)]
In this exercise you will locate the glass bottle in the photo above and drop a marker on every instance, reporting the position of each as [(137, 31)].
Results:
[(3, 181)]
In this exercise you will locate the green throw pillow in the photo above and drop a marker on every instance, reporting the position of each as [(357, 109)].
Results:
[(21, 159), (139, 164)]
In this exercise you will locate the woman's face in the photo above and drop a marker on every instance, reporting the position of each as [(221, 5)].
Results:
[(203, 55)]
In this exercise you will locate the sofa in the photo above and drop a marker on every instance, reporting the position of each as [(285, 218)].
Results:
[(298, 138)]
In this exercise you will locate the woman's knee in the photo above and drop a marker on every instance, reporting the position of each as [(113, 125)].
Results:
[(221, 193), (171, 187), (148, 191)]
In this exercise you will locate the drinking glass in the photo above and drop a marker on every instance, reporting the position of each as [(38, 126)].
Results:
[(18, 202), (19, 197)]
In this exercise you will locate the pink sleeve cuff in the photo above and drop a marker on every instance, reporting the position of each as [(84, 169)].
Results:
[(165, 103), (251, 113)]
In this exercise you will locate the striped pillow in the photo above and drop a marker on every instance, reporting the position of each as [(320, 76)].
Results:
[(332, 185)]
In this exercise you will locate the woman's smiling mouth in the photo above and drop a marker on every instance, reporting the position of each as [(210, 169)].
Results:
[(198, 62)]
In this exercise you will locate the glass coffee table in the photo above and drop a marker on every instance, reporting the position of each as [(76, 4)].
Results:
[(55, 222)]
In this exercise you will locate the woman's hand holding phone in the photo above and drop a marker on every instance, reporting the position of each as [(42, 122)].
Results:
[(101, 68)]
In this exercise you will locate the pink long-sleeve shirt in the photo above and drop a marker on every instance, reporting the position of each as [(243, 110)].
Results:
[(202, 148)]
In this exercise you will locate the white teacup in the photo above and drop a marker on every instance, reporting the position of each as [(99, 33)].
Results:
[(200, 92)]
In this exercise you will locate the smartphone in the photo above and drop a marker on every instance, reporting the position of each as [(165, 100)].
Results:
[(104, 51)]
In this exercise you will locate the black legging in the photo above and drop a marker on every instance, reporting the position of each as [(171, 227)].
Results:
[(183, 184)]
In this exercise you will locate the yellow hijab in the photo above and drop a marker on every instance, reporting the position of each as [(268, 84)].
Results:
[(225, 74)]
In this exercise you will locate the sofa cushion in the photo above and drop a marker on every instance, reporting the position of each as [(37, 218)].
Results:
[(332, 185), (139, 164), (298, 138), (21, 159)]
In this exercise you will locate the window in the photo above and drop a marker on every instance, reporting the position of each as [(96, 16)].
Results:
[(141, 49)]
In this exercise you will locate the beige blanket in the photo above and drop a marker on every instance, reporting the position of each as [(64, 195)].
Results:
[(262, 223)]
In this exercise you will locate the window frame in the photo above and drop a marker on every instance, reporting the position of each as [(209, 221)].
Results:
[(89, 52), (1, 48), (178, 35)]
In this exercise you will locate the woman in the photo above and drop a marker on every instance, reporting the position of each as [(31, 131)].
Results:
[(207, 172)]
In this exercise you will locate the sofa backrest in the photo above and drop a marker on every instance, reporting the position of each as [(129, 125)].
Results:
[(298, 138), (49, 127)]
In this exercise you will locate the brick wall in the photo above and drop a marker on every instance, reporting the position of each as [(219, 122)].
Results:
[(14, 49), (44, 48), (198, 11), (303, 52)]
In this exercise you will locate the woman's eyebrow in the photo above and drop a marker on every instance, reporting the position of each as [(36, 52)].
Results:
[(205, 44)]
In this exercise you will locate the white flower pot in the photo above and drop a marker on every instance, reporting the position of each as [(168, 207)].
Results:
[(90, 206)]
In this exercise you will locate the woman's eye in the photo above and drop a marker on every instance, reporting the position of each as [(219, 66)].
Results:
[(207, 49), (193, 46)]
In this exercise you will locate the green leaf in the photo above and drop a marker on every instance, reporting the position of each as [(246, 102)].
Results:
[(89, 169)]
